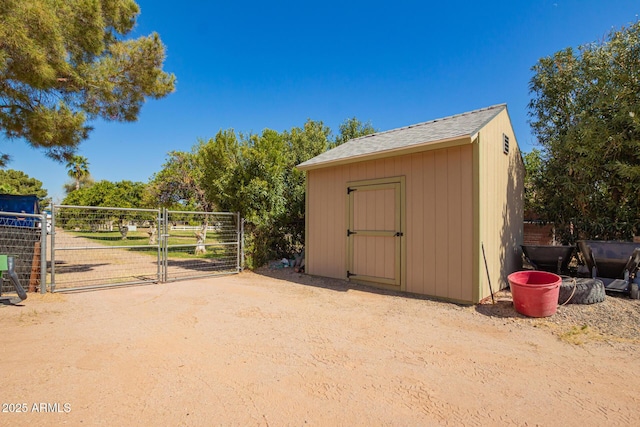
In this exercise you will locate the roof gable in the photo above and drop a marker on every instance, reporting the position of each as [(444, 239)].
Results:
[(431, 132)]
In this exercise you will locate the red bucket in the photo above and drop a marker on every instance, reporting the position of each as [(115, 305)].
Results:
[(535, 293)]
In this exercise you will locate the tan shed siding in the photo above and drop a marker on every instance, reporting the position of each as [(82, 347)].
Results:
[(440, 223), (448, 235), (439, 249), (415, 215), (466, 229), (438, 214), (501, 203), (314, 206), (441, 242), (454, 210), (326, 223), (428, 236)]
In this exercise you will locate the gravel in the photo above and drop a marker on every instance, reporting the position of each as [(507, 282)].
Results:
[(617, 318)]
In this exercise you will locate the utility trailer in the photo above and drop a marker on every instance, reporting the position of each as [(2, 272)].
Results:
[(550, 258), (615, 263)]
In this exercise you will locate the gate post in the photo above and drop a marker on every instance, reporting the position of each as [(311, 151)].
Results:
[(43, 254), (165, 244), (241, 243), (159, 244), (52, 286)]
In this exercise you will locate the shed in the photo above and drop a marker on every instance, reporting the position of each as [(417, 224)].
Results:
[(411, 209)]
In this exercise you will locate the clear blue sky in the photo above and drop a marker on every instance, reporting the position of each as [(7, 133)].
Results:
[(251, 65)]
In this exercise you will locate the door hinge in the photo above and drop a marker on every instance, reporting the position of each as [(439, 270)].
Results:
[(349, 274), (350, 190), (399, 234), (349, 232)]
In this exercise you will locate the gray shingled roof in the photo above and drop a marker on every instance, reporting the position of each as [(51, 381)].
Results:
[(447, 128)]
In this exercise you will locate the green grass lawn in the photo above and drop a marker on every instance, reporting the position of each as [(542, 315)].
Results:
[(181, 244)]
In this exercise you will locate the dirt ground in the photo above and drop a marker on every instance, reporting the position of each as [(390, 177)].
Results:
[(254, 349)]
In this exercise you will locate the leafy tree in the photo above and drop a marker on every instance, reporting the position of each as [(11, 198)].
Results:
[(179, 184), (254, 175), (63, 63), (122, 194), (78, 168), (302, 144), (533, 177), (245, 174), (352, 128), (18, 182), (221, 162), (264, 163), (585, 111)]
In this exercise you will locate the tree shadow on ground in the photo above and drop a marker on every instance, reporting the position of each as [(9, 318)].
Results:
[(62, 267), (201, 264)]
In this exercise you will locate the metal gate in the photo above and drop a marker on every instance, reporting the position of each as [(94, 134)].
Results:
[(196, 244), (95, 247)]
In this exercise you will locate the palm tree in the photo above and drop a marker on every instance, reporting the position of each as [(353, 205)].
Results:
[(78, 168)]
